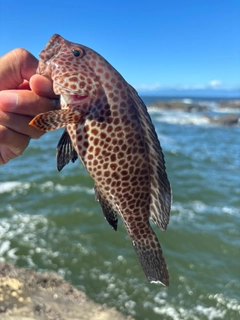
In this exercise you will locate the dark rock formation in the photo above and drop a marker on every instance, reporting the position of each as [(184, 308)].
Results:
[(231, 104), (177, 105), (227, 120), (29, 295)]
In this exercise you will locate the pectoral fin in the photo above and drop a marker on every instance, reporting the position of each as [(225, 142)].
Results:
[(109, 213), (65, 151), (53, 120)]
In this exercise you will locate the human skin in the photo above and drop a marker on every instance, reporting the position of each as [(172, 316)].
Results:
[(23, 95)]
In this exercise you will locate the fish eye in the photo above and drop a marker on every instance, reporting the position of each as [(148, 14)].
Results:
[(78, 52)]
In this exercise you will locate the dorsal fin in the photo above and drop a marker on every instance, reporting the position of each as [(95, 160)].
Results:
[(65, 151), (160, 193), (109, 213)]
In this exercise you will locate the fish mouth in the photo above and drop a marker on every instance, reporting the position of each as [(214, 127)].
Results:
[(72, 100)]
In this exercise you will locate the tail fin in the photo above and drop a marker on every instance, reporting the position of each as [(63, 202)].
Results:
[(151, 259)]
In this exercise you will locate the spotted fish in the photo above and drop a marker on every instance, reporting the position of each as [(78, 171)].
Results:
[(108, 127)]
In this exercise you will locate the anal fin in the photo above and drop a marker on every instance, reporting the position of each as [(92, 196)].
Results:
[(65, 151), (109, 213)]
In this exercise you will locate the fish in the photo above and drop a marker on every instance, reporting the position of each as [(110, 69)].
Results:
[(108, 127)]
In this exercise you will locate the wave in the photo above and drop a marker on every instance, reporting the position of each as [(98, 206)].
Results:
[(212, 117), (179, 117), (183, 119), (13, 186), (17, 187), (50, 186), (211, 306), (40, 245)]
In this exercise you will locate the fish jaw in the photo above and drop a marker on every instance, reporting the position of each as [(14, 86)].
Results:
[(74, 101)]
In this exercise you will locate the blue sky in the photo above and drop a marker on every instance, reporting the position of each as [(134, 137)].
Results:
[(158, 46)]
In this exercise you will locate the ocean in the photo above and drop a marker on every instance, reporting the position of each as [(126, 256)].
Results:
[(50, 221)]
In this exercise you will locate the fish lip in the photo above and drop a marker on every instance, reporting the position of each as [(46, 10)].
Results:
[(74, 97), (72, 100)]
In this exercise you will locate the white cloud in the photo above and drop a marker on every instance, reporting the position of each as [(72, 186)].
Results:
[(213, 84), (146, 87)]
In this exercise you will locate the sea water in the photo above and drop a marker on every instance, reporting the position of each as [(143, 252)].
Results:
[(50, 221)]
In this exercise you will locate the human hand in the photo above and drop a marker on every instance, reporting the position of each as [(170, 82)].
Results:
[(23, 95)]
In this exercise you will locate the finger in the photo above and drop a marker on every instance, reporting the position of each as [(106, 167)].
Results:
[(24, 85), (12, 144), (26, 102), (15, 67), (19, 124), (42, 86)]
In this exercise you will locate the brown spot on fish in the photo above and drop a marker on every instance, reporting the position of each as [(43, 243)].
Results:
[(73, 86)]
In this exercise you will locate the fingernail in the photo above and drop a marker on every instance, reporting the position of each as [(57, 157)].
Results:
[(8, 100)]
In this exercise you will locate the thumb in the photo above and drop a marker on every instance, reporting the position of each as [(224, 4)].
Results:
[(42, 86)]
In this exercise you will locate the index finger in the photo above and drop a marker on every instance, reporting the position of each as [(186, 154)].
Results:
[(26, 102), (15, 67)]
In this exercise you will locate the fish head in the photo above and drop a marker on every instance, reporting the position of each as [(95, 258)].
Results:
[(69, 66)]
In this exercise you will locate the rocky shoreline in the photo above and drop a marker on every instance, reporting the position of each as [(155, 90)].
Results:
[(228, 119), (231, 104), (178, 105), (29, 295)]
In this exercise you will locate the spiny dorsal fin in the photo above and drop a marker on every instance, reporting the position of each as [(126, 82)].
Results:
[(65, 151), (109, 213), (160, 193)]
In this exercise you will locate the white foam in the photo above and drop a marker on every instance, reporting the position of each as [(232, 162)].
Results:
[(4, 227), (231, 211), (187, 101), (183, 118), (20, 187), (46, 185), (18, 225), (4, 247), (11, 254), (50, 186), (10, 186), (227, 110), (77, 188), (231, 304), (169, 311), (211, 312), (180, 313), (5, 250)]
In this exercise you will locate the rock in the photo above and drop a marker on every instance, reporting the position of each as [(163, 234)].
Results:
[(231, 104), (177, 105), (29, 295), (227, 120)]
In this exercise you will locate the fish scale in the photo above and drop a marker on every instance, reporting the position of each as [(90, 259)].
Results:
[(108, 127)]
